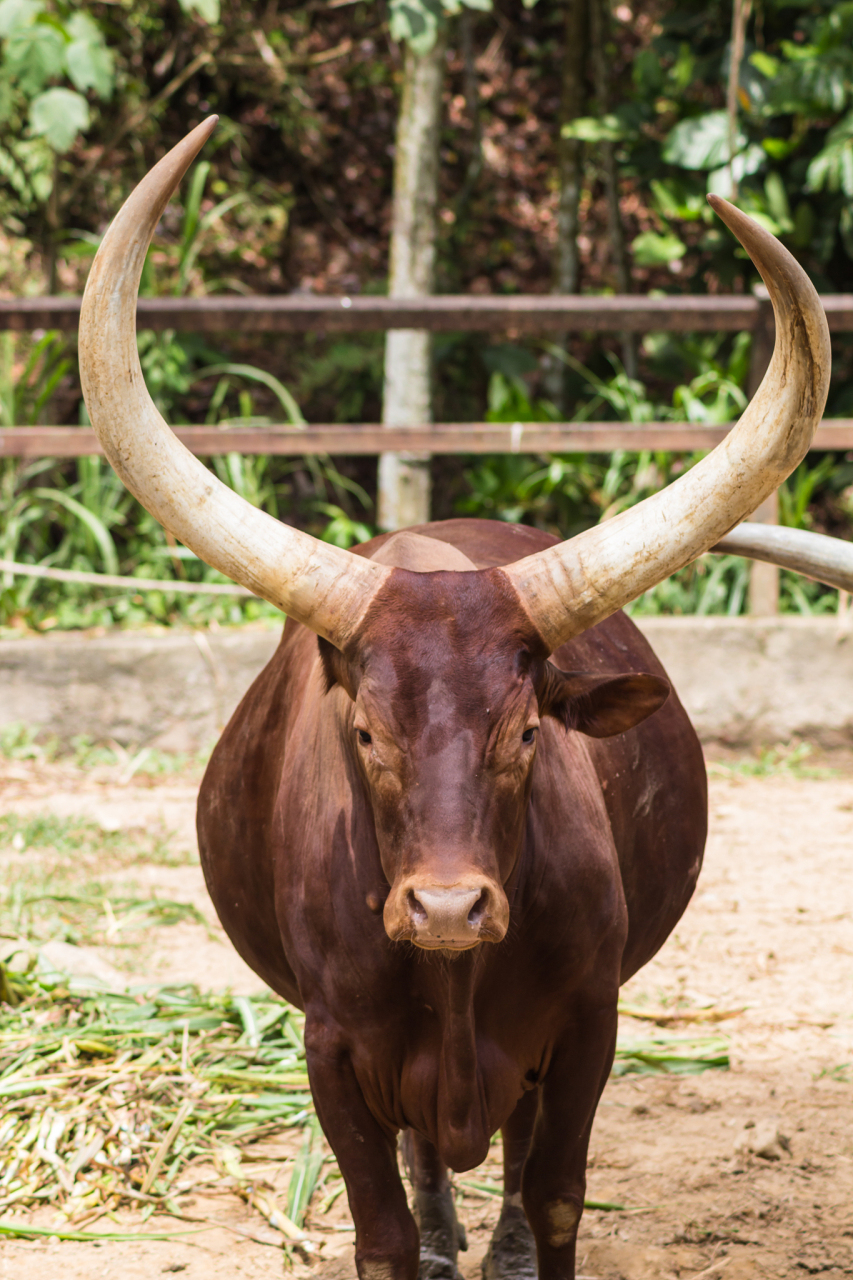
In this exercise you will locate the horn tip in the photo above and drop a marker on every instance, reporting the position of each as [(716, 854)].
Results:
[(730, 214), (207, 125), (758, 242), (198, 136)]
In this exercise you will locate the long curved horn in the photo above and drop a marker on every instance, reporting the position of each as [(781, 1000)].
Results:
[(323, 586), (815, 555), (572, 586)]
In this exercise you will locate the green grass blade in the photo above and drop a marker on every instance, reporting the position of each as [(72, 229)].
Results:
[(96, 527)]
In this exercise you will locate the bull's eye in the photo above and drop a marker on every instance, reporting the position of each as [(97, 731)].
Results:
[(529, 734), (364, 737)]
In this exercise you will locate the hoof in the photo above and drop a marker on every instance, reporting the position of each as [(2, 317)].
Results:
[(442, 1235), (434, 1268), (512, 1252)]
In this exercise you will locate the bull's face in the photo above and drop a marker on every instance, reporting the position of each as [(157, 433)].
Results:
[(447, 684)]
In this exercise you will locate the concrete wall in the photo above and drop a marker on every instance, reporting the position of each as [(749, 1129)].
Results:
[(743, 680), (758, 680), (174, 690)]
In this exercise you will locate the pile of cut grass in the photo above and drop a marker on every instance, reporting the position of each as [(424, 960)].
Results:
[(107, 1098)]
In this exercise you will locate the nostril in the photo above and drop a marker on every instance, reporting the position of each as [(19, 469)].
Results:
[(478, 912), (416, 909)]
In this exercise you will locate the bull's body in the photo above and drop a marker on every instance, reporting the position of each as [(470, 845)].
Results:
[(448, 1047)]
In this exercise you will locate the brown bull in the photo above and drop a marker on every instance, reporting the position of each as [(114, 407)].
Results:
[(453, 827), (357, 805)]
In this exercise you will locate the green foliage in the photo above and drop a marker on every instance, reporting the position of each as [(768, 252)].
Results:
[(59, 115), (772, 762), (417, 22), (793, 141), (653, 250), (28, 384), (44, 43), (207, 10)]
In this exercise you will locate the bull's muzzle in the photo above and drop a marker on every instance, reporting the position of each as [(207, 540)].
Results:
[(447, 917)]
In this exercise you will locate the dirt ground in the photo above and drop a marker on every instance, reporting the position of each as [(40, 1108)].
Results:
[(767, 941)]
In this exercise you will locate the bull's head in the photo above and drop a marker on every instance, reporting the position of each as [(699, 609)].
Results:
[(475, 666), (448, 684)]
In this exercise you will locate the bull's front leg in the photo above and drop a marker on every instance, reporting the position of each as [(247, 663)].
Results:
[(554, 1179), (512, 1250), (442, 1235), (386, 1236)]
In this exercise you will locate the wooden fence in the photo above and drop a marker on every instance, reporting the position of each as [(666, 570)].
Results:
[(513, 316)]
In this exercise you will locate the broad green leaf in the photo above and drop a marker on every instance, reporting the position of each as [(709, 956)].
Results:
[(59, 115), (701, 142), (18, 13), (207, 10), (832, 168), (765, 64), (744, 164), (34, 55), (779, 148), (89, 62), (777, 202), (676, 201), (651, 250), (595, 129), (416, 22)]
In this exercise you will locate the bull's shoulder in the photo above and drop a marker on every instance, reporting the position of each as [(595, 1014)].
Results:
[(614, 645)]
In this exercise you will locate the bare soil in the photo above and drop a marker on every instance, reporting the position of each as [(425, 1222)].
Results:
[(767, 942)]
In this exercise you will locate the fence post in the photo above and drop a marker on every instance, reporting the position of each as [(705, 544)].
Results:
[(404, 478), (763, 578)]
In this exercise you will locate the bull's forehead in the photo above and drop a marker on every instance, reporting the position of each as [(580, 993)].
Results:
[(446, 646)]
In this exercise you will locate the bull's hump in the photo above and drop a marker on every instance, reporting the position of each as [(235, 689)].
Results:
[(407, 550)]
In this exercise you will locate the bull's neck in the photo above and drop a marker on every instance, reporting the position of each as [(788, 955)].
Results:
[(462, 1116)]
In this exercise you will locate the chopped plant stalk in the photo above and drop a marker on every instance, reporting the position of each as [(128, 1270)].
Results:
[(106, 1097), (671, 1055), (23, 1232), (166, 1145), (306, 1170), (665, 1016)]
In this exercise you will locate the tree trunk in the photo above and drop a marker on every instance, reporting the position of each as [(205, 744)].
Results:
[(404, 479), (740, 17), (570, 178), (599, 15)]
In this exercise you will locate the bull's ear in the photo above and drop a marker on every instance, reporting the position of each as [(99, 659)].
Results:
[(336, 669), (600, 705)]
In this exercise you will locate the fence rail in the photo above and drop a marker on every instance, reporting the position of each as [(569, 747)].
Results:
[(437, 438), (521, 313)]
